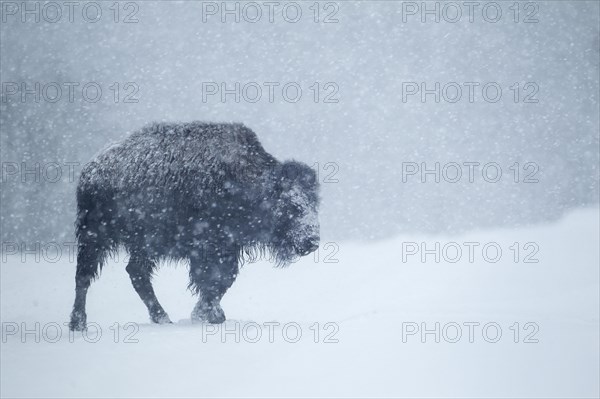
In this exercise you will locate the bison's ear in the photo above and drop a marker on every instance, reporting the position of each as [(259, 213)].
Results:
[(293, 172)]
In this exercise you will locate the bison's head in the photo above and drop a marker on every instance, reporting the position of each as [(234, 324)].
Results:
[(296, 225)]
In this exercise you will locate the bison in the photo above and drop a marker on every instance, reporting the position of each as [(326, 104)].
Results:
[(207, 193)]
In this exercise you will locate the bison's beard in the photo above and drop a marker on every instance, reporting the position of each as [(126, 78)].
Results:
[(280, 255), (283, 256)]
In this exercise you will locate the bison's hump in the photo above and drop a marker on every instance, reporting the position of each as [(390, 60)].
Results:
[(198, 130)]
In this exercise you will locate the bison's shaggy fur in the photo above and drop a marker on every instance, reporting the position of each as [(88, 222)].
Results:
[(204, 192)]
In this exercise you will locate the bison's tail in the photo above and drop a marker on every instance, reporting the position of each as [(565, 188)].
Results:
[(92, 229)]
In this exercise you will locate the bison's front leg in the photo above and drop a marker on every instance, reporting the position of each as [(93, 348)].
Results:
[(211, 277)]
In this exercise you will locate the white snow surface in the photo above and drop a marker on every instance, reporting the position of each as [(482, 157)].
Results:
[(368, 294)]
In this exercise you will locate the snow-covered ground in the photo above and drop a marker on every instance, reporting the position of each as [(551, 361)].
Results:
[(372, 299)]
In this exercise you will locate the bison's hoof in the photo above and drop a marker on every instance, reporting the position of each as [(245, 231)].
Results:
[(213, 314), (78, 321), (160, 318)]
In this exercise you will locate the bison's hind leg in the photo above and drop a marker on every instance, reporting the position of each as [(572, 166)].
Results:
[(95, 241), (91, 255), (140, 270), (89, 259), (92, 249)]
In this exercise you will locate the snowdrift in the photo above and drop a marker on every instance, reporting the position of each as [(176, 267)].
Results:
[(505, 313)]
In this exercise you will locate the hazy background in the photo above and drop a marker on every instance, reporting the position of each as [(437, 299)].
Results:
[(367, 286), (359, 143)]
